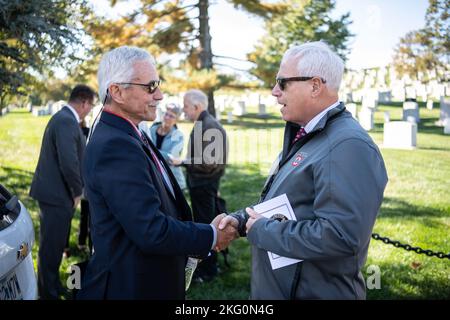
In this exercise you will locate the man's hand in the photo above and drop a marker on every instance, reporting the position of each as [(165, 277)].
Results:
[(76, 201), (228, 220), (253, 217), (226, 234)]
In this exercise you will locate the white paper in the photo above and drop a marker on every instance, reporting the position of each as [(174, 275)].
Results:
[(278, 207)]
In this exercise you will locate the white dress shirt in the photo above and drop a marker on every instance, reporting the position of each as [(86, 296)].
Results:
[(314, 121)]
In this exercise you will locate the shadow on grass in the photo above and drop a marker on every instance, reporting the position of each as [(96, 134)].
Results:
[(395, 208)]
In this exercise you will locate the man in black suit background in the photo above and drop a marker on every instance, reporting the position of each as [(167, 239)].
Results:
[(57, 185)]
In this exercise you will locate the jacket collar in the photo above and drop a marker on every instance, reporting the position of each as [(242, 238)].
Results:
[(203, 115), (120, 123), (73, 111), (291, 129)]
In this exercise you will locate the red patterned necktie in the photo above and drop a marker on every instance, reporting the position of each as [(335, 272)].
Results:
[(300, 134), (161, 169), (155, 158)]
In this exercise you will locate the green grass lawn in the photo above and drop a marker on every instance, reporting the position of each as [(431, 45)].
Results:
[(416, 208)]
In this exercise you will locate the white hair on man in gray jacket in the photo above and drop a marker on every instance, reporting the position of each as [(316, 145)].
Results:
[(316, 58)]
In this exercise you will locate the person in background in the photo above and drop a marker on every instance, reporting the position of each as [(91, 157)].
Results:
[(169, 139), (57, 186), (84, 232), (205, 165)]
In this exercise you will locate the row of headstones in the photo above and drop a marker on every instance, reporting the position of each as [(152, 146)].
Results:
[(402, 134), (49, 109), (240, 109)]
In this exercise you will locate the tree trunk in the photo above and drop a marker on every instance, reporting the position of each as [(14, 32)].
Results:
[(205, 45)]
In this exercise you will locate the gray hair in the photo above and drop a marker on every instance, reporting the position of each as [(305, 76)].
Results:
[(117, 65), (197, 97), (175, 108), (316, 59)]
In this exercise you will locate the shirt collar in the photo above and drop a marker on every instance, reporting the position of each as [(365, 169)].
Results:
[(136, 129), (314, 121), (75, 113)]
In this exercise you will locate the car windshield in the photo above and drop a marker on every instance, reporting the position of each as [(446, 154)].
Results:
[(9, 208)]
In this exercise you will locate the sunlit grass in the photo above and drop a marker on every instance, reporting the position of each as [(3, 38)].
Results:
[(416, 209)]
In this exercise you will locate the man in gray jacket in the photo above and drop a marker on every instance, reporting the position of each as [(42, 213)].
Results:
[(57, 185), (334, 177)]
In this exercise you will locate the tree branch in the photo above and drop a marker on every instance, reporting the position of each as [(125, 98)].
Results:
[(231, 58), (228, 66)]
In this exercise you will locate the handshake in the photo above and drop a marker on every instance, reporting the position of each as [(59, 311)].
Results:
[(227, 227)]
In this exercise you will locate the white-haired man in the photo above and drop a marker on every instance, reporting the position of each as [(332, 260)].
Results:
[(205, 165), (141, 228), (334, 177)]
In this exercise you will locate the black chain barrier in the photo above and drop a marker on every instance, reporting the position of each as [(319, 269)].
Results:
[(407, 247)]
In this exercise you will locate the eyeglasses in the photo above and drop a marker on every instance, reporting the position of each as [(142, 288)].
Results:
[(282, 81), (151, 86)]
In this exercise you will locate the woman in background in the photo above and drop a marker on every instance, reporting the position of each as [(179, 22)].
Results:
[(169, 139)]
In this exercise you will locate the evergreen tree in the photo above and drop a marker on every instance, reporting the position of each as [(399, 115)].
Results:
[(305, 21)]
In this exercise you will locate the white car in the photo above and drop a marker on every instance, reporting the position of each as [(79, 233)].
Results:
[(17, 277)]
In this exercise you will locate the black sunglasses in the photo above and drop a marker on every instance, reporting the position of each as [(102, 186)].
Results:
[(282, 81), (151, 86)]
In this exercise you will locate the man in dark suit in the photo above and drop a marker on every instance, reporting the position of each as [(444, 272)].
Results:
[(205, 165), (140, 221), (57, 185)]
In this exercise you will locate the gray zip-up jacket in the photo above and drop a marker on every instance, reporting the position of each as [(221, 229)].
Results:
[(334, 179)]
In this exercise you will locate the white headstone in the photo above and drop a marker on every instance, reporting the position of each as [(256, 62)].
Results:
[(410, 105), (445, 108), (239, 108), (40, 111), (384, 96), (349, 97), (387, 116), (57, 106), (398, 92), (411, 119), (50, 107), (262, 109), (400, 134), (446, 124), (411, 109), (365, 117), (430, 104), (410, 92), (230, 117), (369, 102), (351, 107)]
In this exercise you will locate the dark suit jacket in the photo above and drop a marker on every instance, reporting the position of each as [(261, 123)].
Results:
[(200, 172), (57, 179), (139, 236)]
